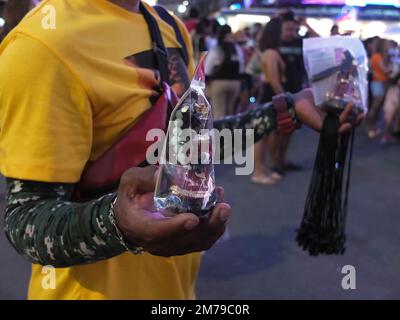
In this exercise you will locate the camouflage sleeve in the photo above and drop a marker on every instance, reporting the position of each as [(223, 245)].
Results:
[(261, 119), (44, 225)]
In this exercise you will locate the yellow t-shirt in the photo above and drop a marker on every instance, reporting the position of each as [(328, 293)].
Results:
[(66, 94)]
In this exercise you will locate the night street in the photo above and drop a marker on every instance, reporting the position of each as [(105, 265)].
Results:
[(261, 260)]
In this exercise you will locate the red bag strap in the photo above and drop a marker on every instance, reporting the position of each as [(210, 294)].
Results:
[(102, 175)]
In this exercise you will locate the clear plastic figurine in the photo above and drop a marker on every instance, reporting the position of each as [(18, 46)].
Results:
[(186, 180)]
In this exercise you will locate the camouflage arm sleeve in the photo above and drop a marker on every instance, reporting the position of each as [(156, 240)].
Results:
[(262, 119), (44, 225)]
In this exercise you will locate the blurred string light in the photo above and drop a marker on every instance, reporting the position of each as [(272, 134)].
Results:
[(303, 31), (182, 8), (2, 22), (185, 3), (221, 20), (235, 6)]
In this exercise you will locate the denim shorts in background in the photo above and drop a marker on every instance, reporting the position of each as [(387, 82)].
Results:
[(378, 89)]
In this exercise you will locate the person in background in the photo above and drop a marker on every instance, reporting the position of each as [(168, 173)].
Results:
[(273, 68), (394, 58), (212, 39), (335, 30), (393, 49), (256, 30), (391, 108), (224, 69), (202, 31), (253, 66), (380, 76), (247, 31), (394, 52), (242, 40), (291, 51), (369, 45), (192, 19)]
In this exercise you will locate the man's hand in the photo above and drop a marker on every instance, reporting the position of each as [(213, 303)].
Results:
[(165, 236), (314, 117)]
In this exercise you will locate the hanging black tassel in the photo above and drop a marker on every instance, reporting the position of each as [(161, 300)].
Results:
[(322, 229)]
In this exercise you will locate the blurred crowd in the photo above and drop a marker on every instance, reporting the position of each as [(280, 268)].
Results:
[(384, 89), (252, 65), (249, 67)]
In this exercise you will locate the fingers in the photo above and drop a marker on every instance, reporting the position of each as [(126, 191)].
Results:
[(306, 110), (166, 228), (346, 114), (345, 127), (213, 228), (349, 120), (220, 215), (184, 223), (360, 118), (166, 235), (183, 233), (210, 229), (220, 194)]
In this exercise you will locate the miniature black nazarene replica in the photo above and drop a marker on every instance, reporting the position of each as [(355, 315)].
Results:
[(186, 181), (322, 230)]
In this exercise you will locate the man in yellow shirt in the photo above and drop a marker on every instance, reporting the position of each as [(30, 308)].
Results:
[(68, 94)]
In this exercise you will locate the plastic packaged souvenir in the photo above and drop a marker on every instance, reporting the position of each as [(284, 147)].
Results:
[(186, 181), (337, 70)]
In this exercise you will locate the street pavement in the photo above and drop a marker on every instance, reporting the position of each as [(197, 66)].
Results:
[(259, 259)]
